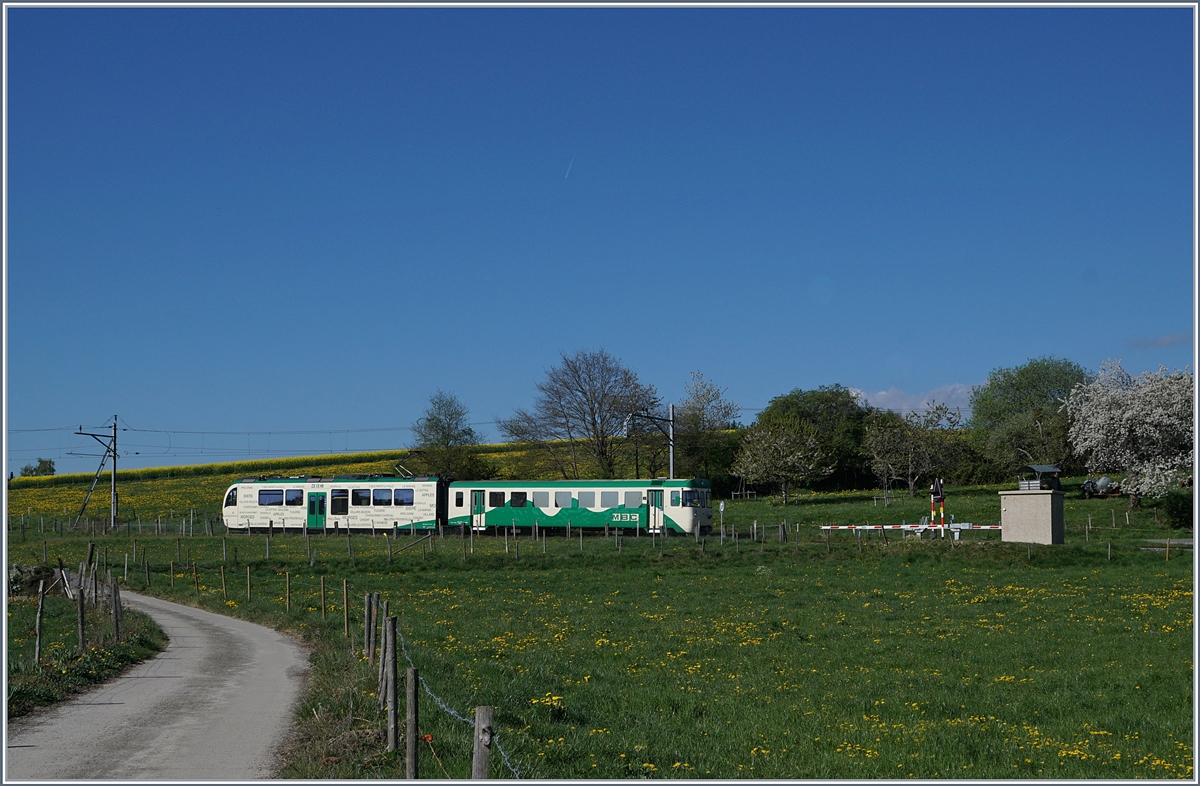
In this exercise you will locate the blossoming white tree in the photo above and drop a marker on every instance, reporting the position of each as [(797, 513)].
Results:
[(1141, 426), (784, 450)]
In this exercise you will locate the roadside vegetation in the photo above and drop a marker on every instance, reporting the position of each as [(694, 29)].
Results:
[(62, 672)]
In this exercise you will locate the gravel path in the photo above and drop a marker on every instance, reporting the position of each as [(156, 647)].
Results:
[(215, 705)]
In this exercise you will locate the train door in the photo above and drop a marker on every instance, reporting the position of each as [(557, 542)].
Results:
[(478, 512), (654, 509), (316, 510)]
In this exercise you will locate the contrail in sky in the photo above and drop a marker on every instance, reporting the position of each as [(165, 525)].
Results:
[(569, 168)]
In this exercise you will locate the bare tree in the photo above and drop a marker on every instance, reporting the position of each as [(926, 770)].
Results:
[(444, 442), (699, 420), (583, 404), (911, 447)]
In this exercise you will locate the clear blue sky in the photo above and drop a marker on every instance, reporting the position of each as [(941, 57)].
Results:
[(283, 220)]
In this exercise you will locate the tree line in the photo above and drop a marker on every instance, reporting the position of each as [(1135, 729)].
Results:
[(592, 416)]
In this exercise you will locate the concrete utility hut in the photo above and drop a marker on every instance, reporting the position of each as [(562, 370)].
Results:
[(1034, 512)]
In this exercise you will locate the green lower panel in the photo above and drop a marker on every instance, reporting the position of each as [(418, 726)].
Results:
[(615, 518)]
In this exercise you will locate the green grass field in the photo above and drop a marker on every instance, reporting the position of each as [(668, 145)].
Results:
[(914, 658)]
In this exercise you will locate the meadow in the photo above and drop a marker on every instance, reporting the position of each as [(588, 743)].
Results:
[(801, 659)]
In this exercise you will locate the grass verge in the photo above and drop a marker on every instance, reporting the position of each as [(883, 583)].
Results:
[(62, 672)]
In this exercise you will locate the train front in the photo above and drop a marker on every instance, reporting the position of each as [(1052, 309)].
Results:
[(690, 506)]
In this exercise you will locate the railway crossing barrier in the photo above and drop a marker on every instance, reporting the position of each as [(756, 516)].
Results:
[(952, 526)]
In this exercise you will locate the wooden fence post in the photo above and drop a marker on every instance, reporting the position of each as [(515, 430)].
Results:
[(115, 596), (79, 629), (346, 608), (483, 743), (247, 583), (393, 705), (37, 625), (368, 629), (382, 651), (224, 594), (411, 726)]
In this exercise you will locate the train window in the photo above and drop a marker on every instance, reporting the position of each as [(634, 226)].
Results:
[(562, 499), (495, 499), (294, 497), (693, 499), (405, 497), (517, 499), (270, 497), (382, 496), (359, 497), (674, 499), (339, 502), (609, 499), (458, 495), (587, 499), (633, 499), (231, 498), (541, 499)]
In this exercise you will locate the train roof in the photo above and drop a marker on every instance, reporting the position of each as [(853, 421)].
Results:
[(700, 483), (277, 479)]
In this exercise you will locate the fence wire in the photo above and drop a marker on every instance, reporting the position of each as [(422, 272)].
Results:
[(451, 711)]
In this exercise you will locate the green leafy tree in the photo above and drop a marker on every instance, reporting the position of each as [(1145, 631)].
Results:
[(782, 450), (839, 415), (444, 444), (43, 467), (1017, 415)]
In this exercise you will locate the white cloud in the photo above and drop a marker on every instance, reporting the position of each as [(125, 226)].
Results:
[(956, 396), (1159, 342)]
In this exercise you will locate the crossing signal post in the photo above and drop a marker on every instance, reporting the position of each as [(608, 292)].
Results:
[(937, 501)]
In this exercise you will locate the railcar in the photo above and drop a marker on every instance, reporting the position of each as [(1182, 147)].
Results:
[(348, 503), (382, 503), (680, 506)]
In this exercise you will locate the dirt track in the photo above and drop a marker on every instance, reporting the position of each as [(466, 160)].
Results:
[(215, 705)]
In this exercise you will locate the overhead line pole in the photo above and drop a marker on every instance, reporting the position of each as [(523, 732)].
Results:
[(669, 432), (110, 448)]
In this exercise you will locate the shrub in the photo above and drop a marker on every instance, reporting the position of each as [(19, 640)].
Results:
[(1179, 507)]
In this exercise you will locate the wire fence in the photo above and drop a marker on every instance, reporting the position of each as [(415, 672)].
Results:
[(451, 711)]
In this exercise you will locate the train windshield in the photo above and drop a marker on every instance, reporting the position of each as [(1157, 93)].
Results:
[(231, 498), (695, 499)]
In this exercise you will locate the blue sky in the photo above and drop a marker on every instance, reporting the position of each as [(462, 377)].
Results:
[(237, 221)]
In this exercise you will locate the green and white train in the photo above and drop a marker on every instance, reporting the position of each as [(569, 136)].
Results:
[(380, 503)]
